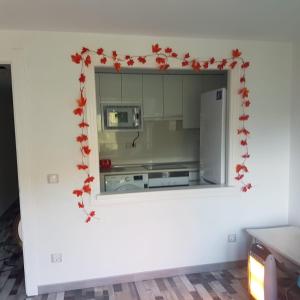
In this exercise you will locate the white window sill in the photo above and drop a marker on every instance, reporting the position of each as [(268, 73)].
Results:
[(106, 199)]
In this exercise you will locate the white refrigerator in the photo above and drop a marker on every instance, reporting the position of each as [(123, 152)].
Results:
[(212, 137)]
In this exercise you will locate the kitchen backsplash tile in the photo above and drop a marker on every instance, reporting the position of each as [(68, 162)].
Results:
[(160, 141)]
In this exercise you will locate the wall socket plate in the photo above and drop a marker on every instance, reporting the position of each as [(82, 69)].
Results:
[(56, 258), (231, 238)]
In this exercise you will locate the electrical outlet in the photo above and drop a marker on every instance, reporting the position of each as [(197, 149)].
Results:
[(56, 258), (231, 238), (52, 178)]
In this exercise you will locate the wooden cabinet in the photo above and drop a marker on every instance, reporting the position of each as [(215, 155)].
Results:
[(192, 89), (132, 88), (110, 87), (153, 96), (172, 85)]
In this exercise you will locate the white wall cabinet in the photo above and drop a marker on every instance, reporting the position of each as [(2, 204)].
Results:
[(212, 82), (172, 85), (192, 89), (132, 88), (110, 87), (153, 96)]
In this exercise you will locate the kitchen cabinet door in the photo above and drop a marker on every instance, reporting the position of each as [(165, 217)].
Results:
[(132, 88), (153, 96), (110, 87), (172, 96), (192, 89)]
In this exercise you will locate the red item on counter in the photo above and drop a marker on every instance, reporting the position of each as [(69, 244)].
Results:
[(105, 164)]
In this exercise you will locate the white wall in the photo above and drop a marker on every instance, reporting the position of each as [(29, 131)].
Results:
[(294, 209), (157, 231)]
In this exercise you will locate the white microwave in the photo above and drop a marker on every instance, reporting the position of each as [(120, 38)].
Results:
[(122, 117)]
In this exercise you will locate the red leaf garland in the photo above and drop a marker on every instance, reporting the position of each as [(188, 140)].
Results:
[(161, 57)]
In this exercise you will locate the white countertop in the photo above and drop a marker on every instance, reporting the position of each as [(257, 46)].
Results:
[(136, 169), (283, 240)]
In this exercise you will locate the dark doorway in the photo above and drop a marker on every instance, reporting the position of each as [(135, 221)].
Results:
[(11, 263)]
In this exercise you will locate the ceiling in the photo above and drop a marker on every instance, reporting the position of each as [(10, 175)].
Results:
[(242, 19)]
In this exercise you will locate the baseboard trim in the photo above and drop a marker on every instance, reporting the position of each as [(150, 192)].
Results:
[(83, 284)]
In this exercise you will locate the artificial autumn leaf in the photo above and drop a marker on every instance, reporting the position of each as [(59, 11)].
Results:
[(83, 124), (233, 64), (127, 56), (244, 189), (155, 48), (89, 179), (76, 58), (84, 49), (100, 51), (186, 56), (160, 60), (243, 131), (240, 167), (224, 62), (244, 142), (185, 63), (220, 67), (236, 53), (212, 60), (81, 138), (87, 189), (78, 111), (245, 65), (239, 176), (168, 50), (196, 65), (205, 65), (114, 54), (142, 59), (82, 78), (242, 79), (103, 60), (82, 167), (92, 213), (246, 155), (130, 62), (78, 193), (244, 117), (174, 55), (81, 102), (86, 150), (244, 92), (87, 60), (164, 67), (80, 204), (117, 66), (88, 219), (247, 103)]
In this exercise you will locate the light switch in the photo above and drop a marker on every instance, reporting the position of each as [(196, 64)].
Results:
[(52, 178)]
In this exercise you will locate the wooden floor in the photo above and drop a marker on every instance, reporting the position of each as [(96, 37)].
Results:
[(207, 286), (226, 284)]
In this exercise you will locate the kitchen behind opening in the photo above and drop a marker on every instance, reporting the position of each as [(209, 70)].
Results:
[(161, 130)]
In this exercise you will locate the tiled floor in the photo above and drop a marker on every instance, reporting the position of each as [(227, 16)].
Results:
[(226, 284)]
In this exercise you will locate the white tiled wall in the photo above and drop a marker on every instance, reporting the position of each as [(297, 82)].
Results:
[(160, 141)]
